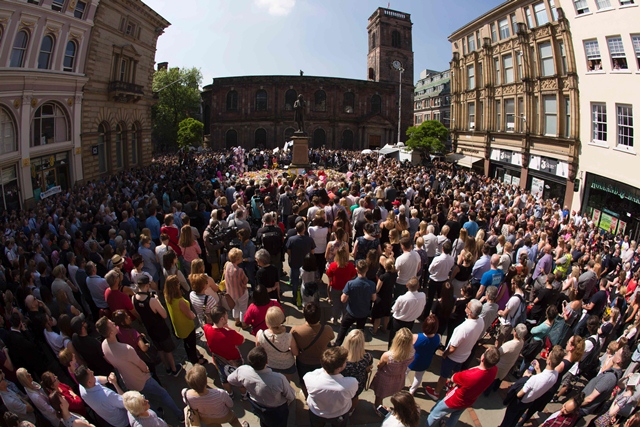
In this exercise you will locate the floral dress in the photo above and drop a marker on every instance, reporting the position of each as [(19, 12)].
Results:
[(358, 370), (391, 377)]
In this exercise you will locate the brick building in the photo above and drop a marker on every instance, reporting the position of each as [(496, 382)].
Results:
[(257, 111), (116, 113)]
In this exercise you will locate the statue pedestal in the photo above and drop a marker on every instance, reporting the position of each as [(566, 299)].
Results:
[(300, 151)]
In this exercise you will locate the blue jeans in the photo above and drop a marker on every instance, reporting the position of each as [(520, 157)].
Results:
[(295, 282), (151, 387), (440, 411)]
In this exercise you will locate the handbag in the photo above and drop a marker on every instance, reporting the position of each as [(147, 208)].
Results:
[(191, 417), (222, 286)]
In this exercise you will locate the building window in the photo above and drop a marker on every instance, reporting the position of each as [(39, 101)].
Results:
[(507, 63), (57, 5), (471, 79), (69, 57), (376, 104), (626, 2), (541, 13), (372, 42), (498, 116), (471, 116), (395, 39), (510, 114), (530, 23), (494, 33), (78, 12), (135, 140), (504, 28), (120, 136), (46, 48), (290, 97), (567, 117), (122, 72), (320, 101), (50, 125), (514, 24), (592, 51), (636, 48), (261, 100), (231, 139), (19, 49), (616, 50), (599, 117), (319, 138), (546, 59), (102, 153), (349, 102), (550, 115), (554, 11), (471, 42), (563, 59), (7, 133), (232, 100), (347, 140), (625, 126), (581, 7), (10, 190), (260, 138), (603, 4)]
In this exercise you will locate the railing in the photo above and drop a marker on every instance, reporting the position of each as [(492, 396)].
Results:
[(395, 14), (118, 86)]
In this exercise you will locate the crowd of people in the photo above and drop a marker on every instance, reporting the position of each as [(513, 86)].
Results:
[(498, 285)]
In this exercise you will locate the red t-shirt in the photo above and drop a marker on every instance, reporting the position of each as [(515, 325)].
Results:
[(255, 316), (470, 384), (118, 300), (223, 342), (338, 277), (173, 234)]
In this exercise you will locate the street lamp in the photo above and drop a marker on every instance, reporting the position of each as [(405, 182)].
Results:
[(398, 66)]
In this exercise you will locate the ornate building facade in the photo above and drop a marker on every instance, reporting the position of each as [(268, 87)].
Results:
[(432, 97), (43, 49), (515, 105), (257, 111), (116, 115)]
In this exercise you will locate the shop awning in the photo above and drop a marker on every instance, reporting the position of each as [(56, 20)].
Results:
[(468, 161)]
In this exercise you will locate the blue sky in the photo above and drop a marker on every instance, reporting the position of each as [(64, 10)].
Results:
[(322, 37)]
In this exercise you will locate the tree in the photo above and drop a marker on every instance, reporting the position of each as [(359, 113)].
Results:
[(190, 132), (429, 137), (178, 92)]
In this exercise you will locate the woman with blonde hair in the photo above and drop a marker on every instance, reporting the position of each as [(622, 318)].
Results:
[(572, 280), (279, 344), (392, 368), (394, 241), (182, 319), (386, 227), (37, 395), (334, 246), (139, 409), (359, 362), (459, 244), (340, 271), (189, 246), (422, 230), (236, 284)]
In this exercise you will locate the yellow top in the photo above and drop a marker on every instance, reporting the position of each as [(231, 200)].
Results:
[(182, 325)]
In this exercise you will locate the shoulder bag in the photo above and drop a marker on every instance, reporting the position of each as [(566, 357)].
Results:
[(315, 340), (191, 417)]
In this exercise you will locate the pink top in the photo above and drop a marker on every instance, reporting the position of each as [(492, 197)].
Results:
[(255, 316), (235, 280), (192, 252)]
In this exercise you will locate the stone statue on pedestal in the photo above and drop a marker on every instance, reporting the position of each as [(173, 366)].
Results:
[(298, 108)]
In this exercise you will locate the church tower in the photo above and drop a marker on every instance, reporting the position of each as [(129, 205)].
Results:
[(391, 50)]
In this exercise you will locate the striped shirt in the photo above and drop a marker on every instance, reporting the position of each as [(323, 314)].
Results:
[(235, 280), (214, 404)]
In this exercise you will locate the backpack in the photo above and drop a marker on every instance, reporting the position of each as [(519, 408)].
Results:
[(590, 363), (521, 312)]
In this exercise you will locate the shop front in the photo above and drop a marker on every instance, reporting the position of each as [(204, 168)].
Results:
[(50, 174), (506, 165), (614, 206), (547, 178), (10, 188)]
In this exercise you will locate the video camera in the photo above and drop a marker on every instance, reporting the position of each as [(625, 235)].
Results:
[(222, 237)]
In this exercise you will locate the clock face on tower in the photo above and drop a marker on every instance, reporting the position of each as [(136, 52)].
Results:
[(396, 65)]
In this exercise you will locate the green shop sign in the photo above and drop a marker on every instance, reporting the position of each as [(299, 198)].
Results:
[(612, 189)]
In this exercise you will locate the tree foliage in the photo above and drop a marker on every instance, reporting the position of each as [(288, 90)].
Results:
[(178, 92), (190, 132), (429, 137)]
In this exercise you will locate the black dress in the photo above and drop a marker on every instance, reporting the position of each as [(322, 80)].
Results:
[(384, 299)]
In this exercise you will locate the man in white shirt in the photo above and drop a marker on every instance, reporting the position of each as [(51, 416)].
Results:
[(407, 308), (330, 394), (533, 389), (408, 265), (463, 341), (430, 245), (439, 271)]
